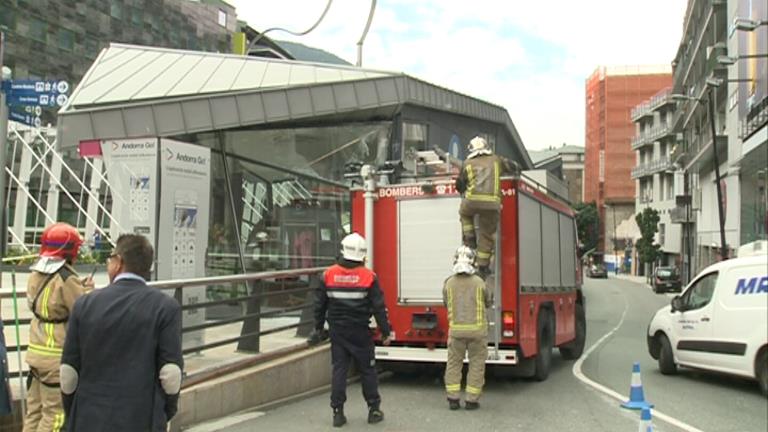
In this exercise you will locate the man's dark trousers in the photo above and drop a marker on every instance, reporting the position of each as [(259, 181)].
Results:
[(347, 344)]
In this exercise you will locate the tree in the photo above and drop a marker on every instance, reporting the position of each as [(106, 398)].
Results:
[(587, 222), (648, 222)]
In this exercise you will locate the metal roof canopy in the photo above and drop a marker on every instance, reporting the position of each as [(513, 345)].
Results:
[(136, 91)]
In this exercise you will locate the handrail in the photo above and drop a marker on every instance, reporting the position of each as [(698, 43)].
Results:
[(248, 316), (245, 277)]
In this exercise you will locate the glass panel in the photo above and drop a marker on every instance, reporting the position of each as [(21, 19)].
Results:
[(321, 152)]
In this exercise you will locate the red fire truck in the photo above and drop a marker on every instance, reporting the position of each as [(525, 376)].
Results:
[(537, 282)]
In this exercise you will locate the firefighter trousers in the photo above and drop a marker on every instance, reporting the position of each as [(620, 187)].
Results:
[(45, 412), (350, 344), (485, 239), (476, 350)]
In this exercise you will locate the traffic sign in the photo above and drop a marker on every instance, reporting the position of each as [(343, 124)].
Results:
[(35, 86), (46, 99), (27, 119)]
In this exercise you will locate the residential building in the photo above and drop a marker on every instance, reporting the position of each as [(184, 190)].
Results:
[(747, 118), (59, 39), (611, 93), (565, 163), (657, 179), (702, 75)]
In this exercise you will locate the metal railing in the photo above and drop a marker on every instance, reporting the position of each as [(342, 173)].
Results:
[(262, 286), (647, 107), (652, 167), (649, 136)]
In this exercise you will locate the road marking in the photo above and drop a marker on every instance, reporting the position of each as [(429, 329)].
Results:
[(610, 392)]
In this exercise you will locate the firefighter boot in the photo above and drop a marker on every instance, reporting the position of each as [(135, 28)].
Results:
[(470, 406), (375, 415), (339, 419), (453, 404)]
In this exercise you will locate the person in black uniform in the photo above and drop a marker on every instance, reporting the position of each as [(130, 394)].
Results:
[(121, 365), (348, 293)]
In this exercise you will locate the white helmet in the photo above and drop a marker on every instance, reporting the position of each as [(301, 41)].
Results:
[(353, 247), (478, 146), (464, 260)]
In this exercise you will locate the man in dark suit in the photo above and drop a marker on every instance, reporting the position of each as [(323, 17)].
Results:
[(121, 366)]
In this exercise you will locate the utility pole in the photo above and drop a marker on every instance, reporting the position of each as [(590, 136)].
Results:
[(721, 216)]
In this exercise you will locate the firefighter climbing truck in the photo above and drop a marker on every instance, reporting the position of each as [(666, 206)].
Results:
[(536, 282)]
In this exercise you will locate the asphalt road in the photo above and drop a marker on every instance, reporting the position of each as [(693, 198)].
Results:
[(416, 402)]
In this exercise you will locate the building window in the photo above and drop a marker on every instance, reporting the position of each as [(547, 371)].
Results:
[(137, 17), (66, 39), (38, 30), (116, 10), (222, 18), (8, 18)]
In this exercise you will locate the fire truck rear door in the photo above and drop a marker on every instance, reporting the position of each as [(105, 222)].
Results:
[(429, 233)]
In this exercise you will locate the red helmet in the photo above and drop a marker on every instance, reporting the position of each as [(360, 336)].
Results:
[(60, 240)]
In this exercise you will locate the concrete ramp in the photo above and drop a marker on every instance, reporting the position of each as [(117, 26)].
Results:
[(255, 386)]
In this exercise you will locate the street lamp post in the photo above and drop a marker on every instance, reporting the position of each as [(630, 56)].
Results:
[(721, 216), (712, 84)]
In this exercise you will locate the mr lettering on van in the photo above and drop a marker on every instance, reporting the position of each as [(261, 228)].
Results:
[(752, 286)]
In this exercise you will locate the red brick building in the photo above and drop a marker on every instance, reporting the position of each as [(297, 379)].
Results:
[(611, 94)]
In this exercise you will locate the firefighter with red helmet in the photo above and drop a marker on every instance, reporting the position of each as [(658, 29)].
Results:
[(52, 289), (466, 297), (480, 183), (347, 296)]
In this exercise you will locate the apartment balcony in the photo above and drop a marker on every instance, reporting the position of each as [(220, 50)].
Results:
[(756, 118), (656, 133), (655, 102), (652, 167)]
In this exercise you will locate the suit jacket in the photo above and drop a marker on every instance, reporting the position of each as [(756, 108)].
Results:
[(117, 340)]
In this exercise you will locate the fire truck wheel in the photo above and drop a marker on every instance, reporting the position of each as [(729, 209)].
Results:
[(667, 364), (543, 359), (573, 350)]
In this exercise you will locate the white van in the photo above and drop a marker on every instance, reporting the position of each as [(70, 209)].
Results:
[(720, 321)]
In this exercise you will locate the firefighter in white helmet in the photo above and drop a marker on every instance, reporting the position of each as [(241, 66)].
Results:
[(52, 289), (479, 182), (346, 297), (466, 298)]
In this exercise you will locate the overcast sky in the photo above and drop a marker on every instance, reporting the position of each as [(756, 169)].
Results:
[(532, 57)]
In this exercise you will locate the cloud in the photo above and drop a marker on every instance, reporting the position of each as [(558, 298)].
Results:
[(530, 57)]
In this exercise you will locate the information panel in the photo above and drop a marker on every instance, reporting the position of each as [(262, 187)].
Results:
[(185, 170)]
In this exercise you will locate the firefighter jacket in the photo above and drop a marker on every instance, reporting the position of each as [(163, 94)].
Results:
[(120, 340), (480, 176), (347, 296), (466, 298), (50, 297)]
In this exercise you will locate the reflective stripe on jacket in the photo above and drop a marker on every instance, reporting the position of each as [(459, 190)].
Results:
[(51, 298), (348, 294), (480, 177), (466, 298)]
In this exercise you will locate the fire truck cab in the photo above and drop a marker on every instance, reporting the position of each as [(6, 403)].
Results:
[(536, 282)]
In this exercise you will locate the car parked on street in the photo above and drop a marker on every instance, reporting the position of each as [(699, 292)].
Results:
[(719, 323), (597, 271), (666, 279)]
